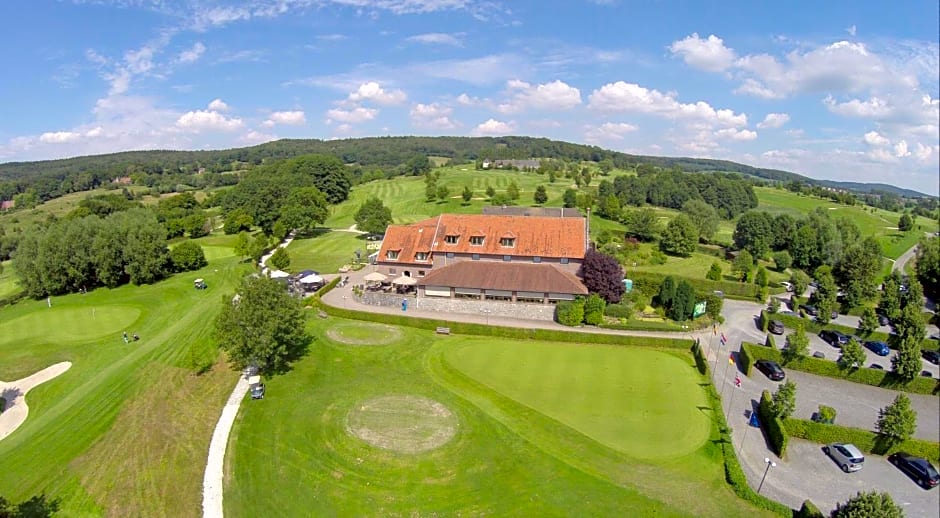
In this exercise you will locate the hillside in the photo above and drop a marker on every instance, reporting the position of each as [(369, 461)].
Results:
[(383, 153)]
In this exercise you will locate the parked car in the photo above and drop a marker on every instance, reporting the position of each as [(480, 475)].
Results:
[(876, 367), (879, 348), (931, 356), (257, 391), (771, 369), (883, 320), (846, 455), (919, 469), (810, 309), (787, 285), (820, 355), (834, 338), (775, 327)]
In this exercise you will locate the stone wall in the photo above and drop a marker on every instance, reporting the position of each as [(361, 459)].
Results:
[(469, 306)]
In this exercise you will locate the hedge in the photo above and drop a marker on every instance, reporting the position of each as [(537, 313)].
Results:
[(770, 342), (645, 325), (746, 359), (700, 361), (734, 475), (866, 440), (468, 328), (618, 311), (808, 510), (776, 430), (649, 282), (764, 320), (830, 369)]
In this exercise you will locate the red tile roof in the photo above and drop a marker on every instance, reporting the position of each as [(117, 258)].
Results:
[(533, 236), (495, 275)]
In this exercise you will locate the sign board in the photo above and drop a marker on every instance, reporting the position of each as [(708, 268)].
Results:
[(699, 309)]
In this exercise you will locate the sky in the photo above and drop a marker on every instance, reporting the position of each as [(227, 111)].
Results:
[(833, 90)]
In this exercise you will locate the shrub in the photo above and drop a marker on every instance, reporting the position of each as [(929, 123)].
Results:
[(618, 310), (187, 256), (746, 359), (594, 309), (866, 440), (570, 313), (714, 273), (808, 510), (280, 259), (649, 283), (700, 362), (782, 260), (776, 430), (826, 414)]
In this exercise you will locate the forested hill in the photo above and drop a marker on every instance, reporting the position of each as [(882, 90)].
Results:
[(374, 152)]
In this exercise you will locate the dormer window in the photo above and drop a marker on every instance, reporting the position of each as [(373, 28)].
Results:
[(392, 255), (421, 256), (507, 241), (476, 240), (451, 240)]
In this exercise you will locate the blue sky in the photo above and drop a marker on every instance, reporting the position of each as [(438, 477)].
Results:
[(842, 90)]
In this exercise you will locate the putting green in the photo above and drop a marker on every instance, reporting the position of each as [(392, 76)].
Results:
[(638, 401), (70, 324)]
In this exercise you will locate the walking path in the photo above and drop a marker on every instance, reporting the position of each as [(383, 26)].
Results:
[(213, 479), (14, 392)]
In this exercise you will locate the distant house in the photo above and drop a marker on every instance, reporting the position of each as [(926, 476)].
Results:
[(489, 257), (531, 163), (7, 204), (123, 180)]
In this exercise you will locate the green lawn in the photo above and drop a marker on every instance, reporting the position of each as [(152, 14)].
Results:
[(517, 451), (326, 252), (125, 431), (8, 283)]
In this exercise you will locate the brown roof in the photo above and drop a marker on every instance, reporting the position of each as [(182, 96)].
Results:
[(407, 240), (545, 212), (492, 275)]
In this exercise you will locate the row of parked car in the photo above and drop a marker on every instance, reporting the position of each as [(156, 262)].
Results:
[(848, 457)]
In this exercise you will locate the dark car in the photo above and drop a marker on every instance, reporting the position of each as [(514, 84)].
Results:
[(257, 391), (771, 368), (883, 320), (775, 327), (919, 469), (876, 367), (932, 356), (879, 348), (809, 309), (834, 338)]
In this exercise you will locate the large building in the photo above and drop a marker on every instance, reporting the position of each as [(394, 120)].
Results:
[(489, 257)]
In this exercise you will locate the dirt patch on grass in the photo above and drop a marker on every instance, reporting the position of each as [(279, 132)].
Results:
[(402, 423), (363, 334)]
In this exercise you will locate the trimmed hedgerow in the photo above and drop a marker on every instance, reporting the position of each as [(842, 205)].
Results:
[(746, 359), (808, 510), (700, 361), (618, 311), (866, 440), (776, 430), (812, 326), (649, 283)]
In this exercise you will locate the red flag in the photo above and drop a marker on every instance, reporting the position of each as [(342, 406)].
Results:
[(723, 337), (737, 381)]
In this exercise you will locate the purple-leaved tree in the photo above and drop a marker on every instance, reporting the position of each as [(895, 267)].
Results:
[(603, 275)]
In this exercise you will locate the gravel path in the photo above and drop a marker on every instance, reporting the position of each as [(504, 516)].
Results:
[(14, 392), (215, 465)]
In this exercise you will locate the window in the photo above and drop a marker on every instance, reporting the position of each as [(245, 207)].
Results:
[(450, 255), (421, 256), (392, 271), (475, 257), (536, 259), (564, 260), (420, 273), (476, 240), (391, 255), (507, 258), (507, 241), (451, 240)]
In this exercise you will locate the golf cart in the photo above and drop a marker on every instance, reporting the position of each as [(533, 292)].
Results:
[(255, 387), (200, 284)]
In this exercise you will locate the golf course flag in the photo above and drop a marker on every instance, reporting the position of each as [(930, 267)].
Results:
[(731, 359)]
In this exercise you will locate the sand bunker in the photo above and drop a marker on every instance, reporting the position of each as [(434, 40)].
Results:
[(14, 392)]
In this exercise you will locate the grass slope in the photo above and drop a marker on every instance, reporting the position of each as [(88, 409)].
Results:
[(291, 451), (327, 251), (125, 431), (8, 281)]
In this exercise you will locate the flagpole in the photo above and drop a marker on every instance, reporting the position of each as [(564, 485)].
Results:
[(725, 376), (730, 402), (746, 427), (717, 349)]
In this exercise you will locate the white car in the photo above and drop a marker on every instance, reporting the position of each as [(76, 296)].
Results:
[(847, 456)]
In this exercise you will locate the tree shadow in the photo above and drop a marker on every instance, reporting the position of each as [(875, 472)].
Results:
[(312, 233), (8, 395), (38, 507)]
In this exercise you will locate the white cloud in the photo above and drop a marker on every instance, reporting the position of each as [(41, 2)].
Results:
[(200, 120), (120, 81), (192, 55), (774, 120), (608, 131), (432, 115), (436, 38), (736, 134), (873, 138), (556, 95), (851, 30), (900, 149), (95, 132), (287, 118), (466, 100), (373, 91), (706, 54), (757, 89), (256, 137), (621, 96), (351, 116), (494, 127), (59, 137), (331, 37), (873, 108), (218, 105)]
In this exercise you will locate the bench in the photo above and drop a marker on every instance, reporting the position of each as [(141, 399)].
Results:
[(443, 330)]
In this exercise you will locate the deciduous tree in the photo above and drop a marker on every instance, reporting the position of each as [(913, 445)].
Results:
[(754, 233), (714, 272), (906, 222), (703, 216), (680, 237), (603, 275), (540, 196), (186, 256), (927, 266), (868, 505), (467, 194), (304, 209), (897, 421), (513, 191), (852, 355), (825, 295), (797, 344), (280, 259), (642, 224), (784, 400), (742, 265), (373, 216), (868, 322)]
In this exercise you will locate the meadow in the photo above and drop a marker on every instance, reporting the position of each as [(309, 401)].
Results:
[(125, 431), (537, 429)]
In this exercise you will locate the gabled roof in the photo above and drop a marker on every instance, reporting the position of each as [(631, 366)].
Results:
[(495, 275), (534, 236)]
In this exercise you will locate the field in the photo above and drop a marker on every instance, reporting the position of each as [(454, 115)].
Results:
[(125, 431), (326, 252), (414, 424), (8, 283)]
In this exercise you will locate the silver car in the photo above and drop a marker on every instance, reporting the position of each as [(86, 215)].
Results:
[(847, 456)]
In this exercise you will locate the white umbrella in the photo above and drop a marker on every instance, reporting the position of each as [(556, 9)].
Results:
[(311, 279), (278, 274), (405, 281), (375, 277)]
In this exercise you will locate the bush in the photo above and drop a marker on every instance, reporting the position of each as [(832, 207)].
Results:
[(773, 425), (594, 310), (618, 310), (782, 260), (649, 282), (764, 321), (770, 342), (866, 440), (570, 313), (826, 414), (187, 256), (645, 325), (808, 510), (700, 362), (829, 368), (746, 359)]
